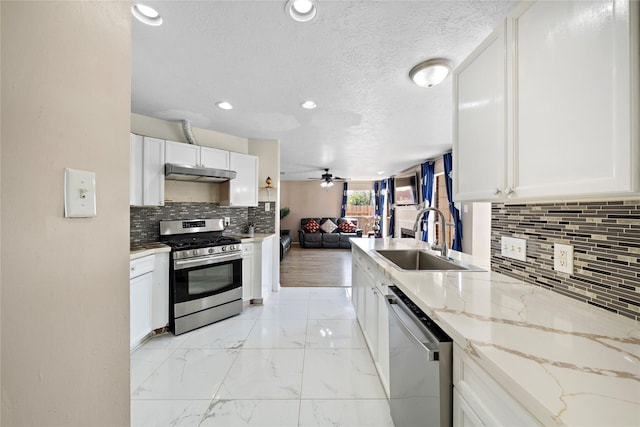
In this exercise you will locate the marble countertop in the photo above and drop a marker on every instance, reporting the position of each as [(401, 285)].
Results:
[(249, 238), (568, 363), (145, 249)]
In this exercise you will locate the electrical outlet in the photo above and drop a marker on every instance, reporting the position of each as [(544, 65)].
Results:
[(514, 248), (563, 258), (227, 221), (267, 207)]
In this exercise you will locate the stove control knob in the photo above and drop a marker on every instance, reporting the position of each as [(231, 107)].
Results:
[(211, 250), (224, 249), (232, 247), (195, 253)]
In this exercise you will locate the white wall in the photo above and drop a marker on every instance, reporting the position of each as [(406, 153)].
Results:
[(64, 283)]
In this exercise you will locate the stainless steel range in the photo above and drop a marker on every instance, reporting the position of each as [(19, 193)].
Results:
[(205, 274)]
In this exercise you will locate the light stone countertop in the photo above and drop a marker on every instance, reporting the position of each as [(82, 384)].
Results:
[(250, 238), (145, 249), (568, 363)]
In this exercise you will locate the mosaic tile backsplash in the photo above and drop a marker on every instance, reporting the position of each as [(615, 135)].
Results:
[(606, 246), (144, 220)]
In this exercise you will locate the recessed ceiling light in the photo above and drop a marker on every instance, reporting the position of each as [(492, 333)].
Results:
[(224, 105), (380, 172), (301, 10), (431, 72), (309, 105), (146, 14)]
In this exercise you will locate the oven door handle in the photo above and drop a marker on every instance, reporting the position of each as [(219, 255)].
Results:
[(195, 262)]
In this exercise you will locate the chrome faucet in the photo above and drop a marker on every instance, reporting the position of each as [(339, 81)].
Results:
[(444, 250)]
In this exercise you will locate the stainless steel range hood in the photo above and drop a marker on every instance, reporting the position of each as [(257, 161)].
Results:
[(179, 172)]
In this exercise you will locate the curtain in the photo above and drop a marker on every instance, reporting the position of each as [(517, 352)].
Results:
[(376, 197), (343, 212), (391, 193), (455, 213), (426, 178)]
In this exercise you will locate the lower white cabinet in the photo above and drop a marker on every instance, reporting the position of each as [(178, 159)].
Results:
[(160, 291), (369, 300), (257, 268), (247, 270), (148, 296), (478, 399), (140, 284)]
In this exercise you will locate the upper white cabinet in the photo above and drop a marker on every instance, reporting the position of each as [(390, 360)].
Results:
[(546, 108), (480, 135), (146, 169), (243, 190), (195, 155)]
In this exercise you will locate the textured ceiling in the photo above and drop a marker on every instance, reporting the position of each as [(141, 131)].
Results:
[(353, 60)]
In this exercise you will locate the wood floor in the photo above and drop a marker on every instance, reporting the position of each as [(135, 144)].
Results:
[(316, 267)]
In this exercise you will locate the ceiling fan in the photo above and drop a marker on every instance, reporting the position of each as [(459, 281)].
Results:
[(327, 179)]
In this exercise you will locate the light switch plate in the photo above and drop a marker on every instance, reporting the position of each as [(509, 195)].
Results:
[(563, 258), (79, 193), (514, 248)]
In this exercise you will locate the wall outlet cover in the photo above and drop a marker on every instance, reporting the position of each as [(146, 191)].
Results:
[(563, 258)]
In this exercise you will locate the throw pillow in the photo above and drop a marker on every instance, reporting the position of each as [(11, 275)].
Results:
[(312, 226), (347, 227), (328, 226)]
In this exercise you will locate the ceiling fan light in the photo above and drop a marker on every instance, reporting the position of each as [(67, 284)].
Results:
[(430, 72), (224, 105), (301, 10)]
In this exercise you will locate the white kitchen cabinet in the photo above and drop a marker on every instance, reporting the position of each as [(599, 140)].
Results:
[(153, 172), (243, 190), (146, 171), (135, 170), (247, 270), (480, 400), (369, 291), (257, 267), (480, 134), (196, 155), (140, 285), (569, 121), (160, 291), (214, 158), (182, 154)]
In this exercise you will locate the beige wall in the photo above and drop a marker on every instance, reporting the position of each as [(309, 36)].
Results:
[(64, 283), (308, 199), (268, 152), (163, 129)]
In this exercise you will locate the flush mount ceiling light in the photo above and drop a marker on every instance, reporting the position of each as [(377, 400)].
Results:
[(224, 105), (430, 72), (146, 14), (309, 105), (301, 10)]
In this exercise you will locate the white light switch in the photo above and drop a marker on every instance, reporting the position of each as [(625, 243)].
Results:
[(514, 248), (79, 193)]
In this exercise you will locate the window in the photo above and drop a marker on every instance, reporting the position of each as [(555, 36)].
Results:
[(360, 203), (442, 202)]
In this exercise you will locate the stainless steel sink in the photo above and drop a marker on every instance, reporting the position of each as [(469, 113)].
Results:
[(418, 260)]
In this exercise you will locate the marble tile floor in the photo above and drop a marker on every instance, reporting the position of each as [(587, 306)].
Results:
[(298, 360)]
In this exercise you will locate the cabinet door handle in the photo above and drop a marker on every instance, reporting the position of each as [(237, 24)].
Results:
[(497, 191), (508, 191)]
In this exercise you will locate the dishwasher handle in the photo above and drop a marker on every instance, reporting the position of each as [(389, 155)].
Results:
[(421, 337)]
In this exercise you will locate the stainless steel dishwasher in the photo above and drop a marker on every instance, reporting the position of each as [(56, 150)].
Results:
[(420, 363)]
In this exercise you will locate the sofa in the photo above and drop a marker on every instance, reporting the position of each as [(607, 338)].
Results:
[(328, 232), (285, 243)]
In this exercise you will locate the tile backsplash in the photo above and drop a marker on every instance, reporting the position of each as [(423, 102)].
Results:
[(606, 244), (144, 220)]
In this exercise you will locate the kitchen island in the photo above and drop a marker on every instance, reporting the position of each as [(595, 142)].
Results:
[(560, 361)]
